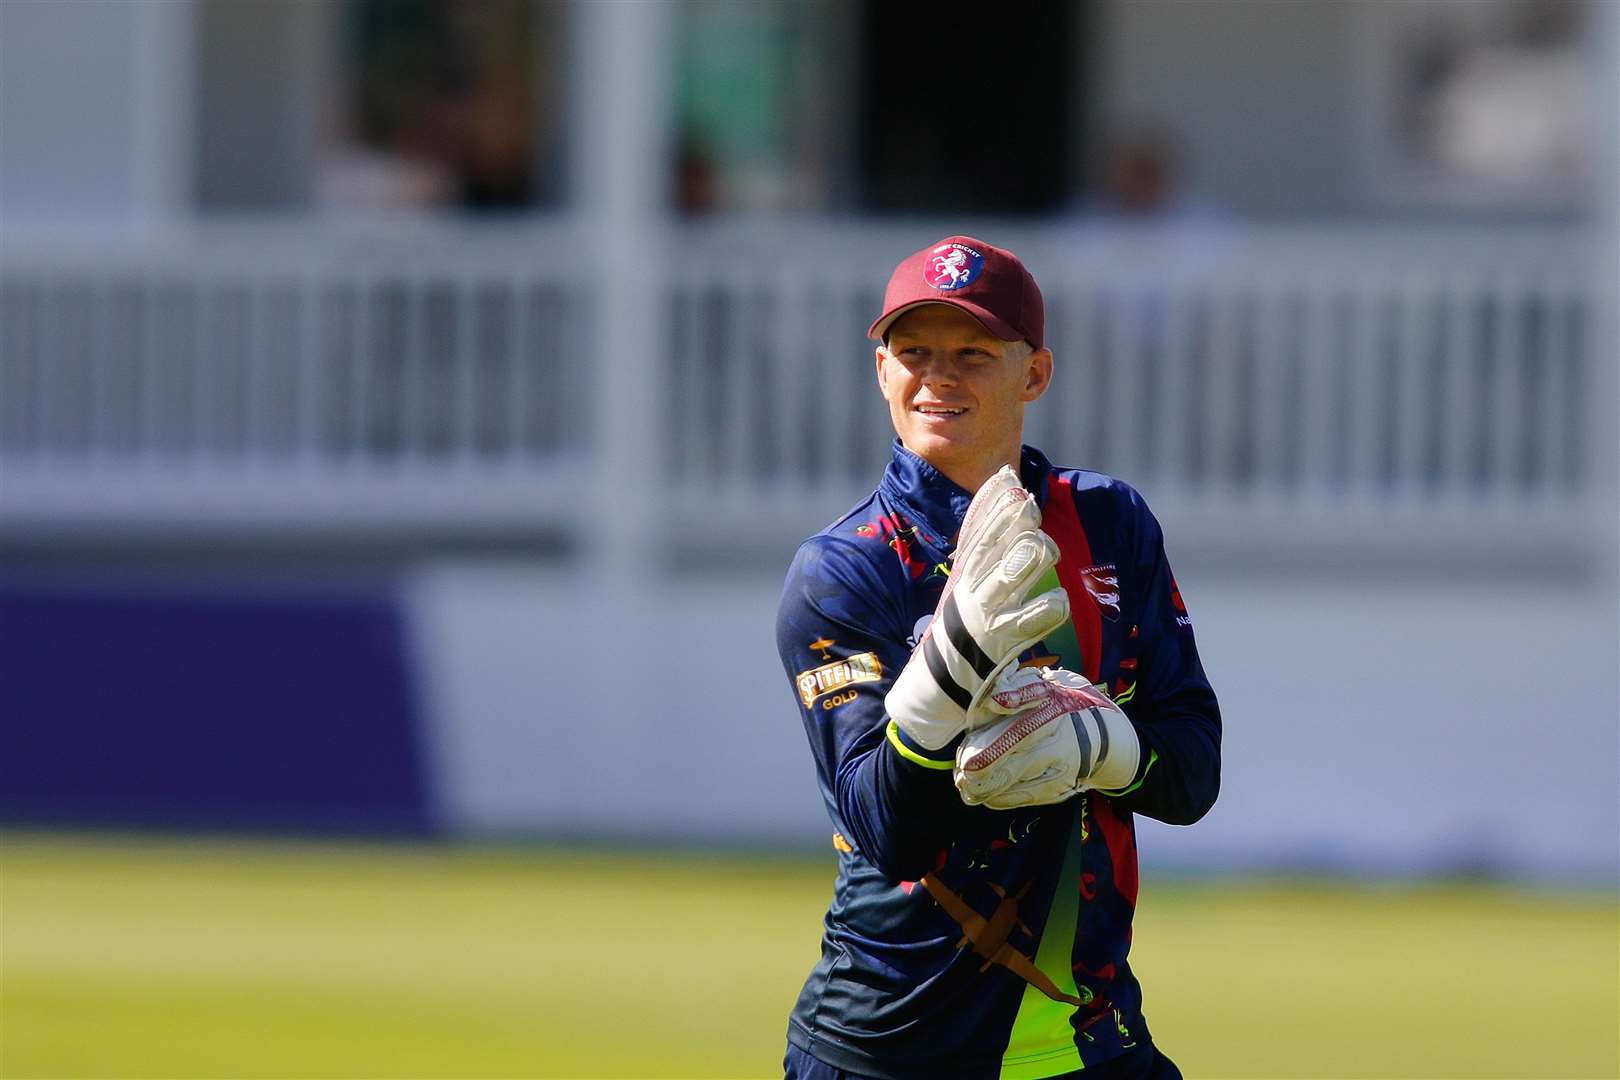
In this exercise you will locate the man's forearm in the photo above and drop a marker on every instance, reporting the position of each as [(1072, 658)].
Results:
[(899, 813)]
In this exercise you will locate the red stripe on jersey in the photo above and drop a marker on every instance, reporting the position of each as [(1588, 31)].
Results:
[(1121, 840), (1061, 521)]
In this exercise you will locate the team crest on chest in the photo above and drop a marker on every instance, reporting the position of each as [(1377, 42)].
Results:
[(953, 266), (1102, 582)]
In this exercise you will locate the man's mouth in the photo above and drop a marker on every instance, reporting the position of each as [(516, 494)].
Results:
[(941, 410)]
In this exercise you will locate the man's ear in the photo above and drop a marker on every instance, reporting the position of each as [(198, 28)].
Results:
[(878, 355), (1037, 374)]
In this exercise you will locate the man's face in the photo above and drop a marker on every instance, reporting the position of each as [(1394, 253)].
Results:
[(956, 392)]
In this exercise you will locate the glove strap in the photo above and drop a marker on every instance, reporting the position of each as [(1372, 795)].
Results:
[(1119, 751), (956, 630), (942, 674)]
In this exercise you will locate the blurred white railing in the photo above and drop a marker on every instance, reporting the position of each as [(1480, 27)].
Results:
[(1417, 389), (1312, 375), (291, 380)]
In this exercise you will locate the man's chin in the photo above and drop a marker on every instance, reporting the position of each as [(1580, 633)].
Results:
[(939, 450)]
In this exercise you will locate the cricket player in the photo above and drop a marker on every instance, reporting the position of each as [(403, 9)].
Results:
[(996, 672)]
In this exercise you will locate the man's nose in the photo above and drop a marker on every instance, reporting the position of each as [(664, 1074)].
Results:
[(941, 368)]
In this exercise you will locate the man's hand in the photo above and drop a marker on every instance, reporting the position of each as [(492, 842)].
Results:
[(1063, 736), (982, 622)]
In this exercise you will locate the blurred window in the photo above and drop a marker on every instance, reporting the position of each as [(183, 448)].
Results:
[(449, 103), (808, 105), (380, 104), (763, 103)]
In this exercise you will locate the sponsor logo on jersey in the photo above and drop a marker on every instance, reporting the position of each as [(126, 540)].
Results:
[(953, 266), (1181, 608), (918, 630), (1102, 582), (833, 677)]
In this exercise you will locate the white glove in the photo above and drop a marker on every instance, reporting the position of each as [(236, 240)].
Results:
[(1064, 736), (982, 621)]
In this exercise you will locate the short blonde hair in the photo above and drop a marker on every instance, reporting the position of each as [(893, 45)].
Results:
[(1019, 350)]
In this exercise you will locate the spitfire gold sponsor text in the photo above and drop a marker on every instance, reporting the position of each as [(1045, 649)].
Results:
[(862, 667)]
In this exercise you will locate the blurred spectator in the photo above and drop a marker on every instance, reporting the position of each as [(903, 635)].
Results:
[(1140, 176), (695, 180), (442, 106), (1142, 179)]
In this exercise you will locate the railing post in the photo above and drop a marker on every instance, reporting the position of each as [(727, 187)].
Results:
[(164, 92), (1602, 344), (620, 183), (1606, 402)]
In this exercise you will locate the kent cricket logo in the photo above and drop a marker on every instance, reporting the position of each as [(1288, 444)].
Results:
[(833, 678), (1102, 584), (953, 266)]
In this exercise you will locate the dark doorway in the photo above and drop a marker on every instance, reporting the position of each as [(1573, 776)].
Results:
[(968, 106)]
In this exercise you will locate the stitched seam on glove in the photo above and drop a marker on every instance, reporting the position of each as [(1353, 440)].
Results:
[(1016, 732)]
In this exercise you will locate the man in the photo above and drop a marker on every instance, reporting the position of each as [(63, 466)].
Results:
[(995, 671)]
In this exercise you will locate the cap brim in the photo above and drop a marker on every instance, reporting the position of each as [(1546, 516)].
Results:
[(880, 329)]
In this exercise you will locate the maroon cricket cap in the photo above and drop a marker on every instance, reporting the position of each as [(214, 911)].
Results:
[(987, 282)]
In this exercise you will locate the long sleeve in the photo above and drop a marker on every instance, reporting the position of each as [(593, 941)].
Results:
[(1173, 708), (841, 642)]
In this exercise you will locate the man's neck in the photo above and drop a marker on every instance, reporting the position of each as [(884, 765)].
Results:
[(972, 477)]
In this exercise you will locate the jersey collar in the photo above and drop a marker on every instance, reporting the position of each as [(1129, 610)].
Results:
[(936, 500)]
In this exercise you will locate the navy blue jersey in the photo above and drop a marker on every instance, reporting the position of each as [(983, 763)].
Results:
[(966, 941)]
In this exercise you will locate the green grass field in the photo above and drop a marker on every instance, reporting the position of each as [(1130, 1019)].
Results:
[(140, 958)]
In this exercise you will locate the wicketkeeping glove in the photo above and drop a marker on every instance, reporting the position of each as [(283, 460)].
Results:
[(983, 620), (1063, 736)]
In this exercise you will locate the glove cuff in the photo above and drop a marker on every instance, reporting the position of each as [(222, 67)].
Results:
[(917, 754), (915, 703)]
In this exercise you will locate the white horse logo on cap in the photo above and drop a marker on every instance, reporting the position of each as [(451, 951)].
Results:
[(953, 266)]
